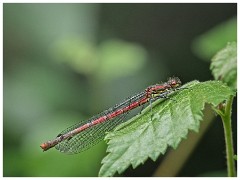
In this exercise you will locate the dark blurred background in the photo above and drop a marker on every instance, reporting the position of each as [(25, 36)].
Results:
[(66, 62)]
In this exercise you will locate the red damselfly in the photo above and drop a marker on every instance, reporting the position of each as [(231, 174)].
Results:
[(85, 134)]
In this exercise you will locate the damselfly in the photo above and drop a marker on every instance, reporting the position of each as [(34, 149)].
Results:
[(85, 134)]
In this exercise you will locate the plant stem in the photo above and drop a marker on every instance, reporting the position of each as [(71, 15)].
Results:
[(226, 119)]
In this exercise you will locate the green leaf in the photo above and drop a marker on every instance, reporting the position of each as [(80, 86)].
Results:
[(143, 137), (224, 65)]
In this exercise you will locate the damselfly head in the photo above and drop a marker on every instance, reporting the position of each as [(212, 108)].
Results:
[(174, 82)]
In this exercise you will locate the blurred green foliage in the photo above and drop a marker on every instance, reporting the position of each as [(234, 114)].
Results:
[(42, 98), (207, 44), (112, 59)]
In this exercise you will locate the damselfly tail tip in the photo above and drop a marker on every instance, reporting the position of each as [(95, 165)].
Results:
[(44, 146)]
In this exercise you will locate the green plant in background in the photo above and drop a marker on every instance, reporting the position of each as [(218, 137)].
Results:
[(224, 65), (107, 61), (207, 44), (141, 138)]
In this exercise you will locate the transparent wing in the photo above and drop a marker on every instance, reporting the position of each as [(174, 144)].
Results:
[(89, 137), (94, 134)]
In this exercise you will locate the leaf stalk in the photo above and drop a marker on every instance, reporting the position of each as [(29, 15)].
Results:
[(226, 119)]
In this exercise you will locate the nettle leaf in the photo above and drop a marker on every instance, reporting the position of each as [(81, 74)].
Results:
[(224, 65), (150, 133)]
